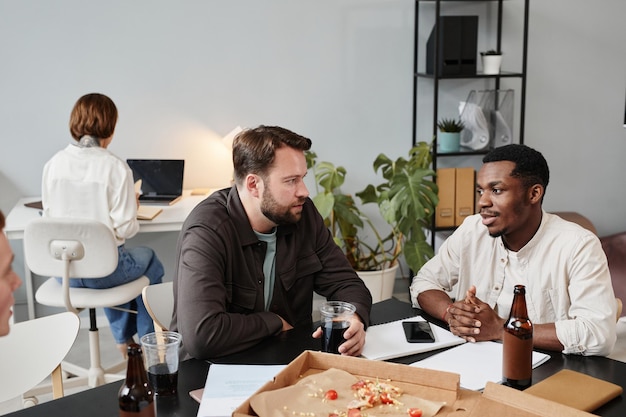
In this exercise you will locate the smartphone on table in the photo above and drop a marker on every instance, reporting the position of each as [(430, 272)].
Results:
[(418, 332)]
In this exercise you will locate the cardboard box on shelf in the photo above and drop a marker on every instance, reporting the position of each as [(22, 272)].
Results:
[(465, 204), (496, 400), (444, 212)]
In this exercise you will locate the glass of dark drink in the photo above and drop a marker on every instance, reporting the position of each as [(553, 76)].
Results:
[(336, 317), (161, 359)]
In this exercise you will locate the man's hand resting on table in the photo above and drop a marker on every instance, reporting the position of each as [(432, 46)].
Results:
[(474, 320), (354, 335)]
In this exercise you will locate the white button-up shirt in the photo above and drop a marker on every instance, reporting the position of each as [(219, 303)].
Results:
[(563, 267), (91, 183)]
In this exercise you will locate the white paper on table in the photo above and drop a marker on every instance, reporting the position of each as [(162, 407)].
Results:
[(387, 341), (477, 363), (227, 386)]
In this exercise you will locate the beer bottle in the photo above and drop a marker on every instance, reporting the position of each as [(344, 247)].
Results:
[(517, 344), (136, 396)]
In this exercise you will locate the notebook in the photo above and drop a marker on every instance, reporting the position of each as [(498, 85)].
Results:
[(387, 341), (148, 212), (161, 179), (576, 390)]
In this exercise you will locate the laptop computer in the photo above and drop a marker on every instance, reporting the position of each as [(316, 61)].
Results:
[(161, 179)]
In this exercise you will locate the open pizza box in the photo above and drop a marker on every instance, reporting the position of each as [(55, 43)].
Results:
[(496, 400)]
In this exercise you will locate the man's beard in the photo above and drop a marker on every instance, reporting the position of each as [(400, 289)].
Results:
[(497, 233), (278, 214)]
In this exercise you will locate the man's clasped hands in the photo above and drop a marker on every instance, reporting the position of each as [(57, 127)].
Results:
[(473, 319)]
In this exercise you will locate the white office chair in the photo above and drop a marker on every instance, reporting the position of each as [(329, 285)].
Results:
[(78, 248), (32, 351), (159, 301)]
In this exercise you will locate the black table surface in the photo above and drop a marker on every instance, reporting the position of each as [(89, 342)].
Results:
[(102, 401)]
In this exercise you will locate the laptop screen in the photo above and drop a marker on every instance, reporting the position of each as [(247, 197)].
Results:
[(159, 177)]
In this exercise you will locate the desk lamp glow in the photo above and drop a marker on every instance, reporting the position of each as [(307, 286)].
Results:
[(221, 160)]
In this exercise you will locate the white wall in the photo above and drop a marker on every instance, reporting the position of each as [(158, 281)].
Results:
[(576, 88), (182, 72), (339, 71)]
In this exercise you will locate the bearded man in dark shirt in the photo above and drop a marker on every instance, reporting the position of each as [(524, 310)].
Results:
[(251, 256)]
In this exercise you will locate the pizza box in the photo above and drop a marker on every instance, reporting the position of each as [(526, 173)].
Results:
[(425, 383), (495, 401)]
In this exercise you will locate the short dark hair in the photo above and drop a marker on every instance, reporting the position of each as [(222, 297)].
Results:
[(254, 149), (1, 220), (530, 165), (94, 115)]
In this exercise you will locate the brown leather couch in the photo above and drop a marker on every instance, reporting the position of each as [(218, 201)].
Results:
[(615, 248)]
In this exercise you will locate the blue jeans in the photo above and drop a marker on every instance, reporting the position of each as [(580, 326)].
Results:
[(132, 263)]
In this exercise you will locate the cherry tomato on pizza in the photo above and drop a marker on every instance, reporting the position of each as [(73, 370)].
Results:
[(414, 412), (331, 394)]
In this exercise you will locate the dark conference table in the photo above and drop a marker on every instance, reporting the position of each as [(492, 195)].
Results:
[(102, 401)]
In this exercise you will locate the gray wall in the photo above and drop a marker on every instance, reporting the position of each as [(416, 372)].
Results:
[(339, 71)]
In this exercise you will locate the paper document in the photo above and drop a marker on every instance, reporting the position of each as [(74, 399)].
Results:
[(387, 341), (227, 386), (477, 363), (148, 212)]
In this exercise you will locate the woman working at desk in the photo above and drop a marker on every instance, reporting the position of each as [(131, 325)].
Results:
[(86, 180)]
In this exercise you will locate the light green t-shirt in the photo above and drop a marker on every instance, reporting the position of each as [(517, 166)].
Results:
[(269, 265)]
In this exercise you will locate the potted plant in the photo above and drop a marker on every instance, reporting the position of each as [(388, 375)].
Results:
[(345, 219), (406, 197), (491, 61), (449, 137), (349, 227)]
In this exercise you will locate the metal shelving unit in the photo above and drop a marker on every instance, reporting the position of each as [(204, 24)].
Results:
[(437, 77)]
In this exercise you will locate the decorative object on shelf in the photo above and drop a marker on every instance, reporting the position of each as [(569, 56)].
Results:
[(504, 113), (491, 60), (473, 113), (406, 197), (457, 38), (449, 137), (488, 119)]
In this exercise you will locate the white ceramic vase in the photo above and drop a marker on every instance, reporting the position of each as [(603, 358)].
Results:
[(491, 64), (380, 283)]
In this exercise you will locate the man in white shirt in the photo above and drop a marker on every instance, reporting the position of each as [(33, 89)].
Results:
[(513, 241)]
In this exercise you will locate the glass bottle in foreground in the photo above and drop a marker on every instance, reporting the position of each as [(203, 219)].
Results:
[(517, 344), (136, 397)]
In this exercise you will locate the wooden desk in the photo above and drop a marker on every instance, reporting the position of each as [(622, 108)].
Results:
[(102, 401), (169, 220)]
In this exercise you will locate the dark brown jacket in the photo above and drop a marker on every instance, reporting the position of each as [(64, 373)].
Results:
[(218, 282)]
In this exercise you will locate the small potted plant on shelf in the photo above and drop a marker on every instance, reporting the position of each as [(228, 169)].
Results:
[(491, 61), (449, 137), (406, 197)]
